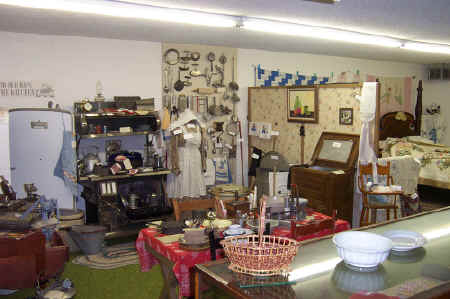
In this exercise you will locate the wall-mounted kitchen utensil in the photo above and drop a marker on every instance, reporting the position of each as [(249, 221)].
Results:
[(233, 85), (170, 79), (166, 80), (234, 117), (186, 57), (223, 110), (223, 60), (182, 102), (195, 72), (219, 83), (187, 82), (213, 108), (195, 56), (203, 104), (179, 85), (205, 90), (208, 77), (234, 97), (211, 57), (172, 56), (226, 94)]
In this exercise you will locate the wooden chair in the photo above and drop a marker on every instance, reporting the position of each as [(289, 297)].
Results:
[(372, 201), (189, 204)]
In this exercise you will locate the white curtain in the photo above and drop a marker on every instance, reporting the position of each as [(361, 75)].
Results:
[(366, 153)]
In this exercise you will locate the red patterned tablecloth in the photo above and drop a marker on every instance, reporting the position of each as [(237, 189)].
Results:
[(183, 260), (339, 226)]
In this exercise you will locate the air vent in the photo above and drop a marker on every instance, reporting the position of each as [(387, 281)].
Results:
[(439, 71)]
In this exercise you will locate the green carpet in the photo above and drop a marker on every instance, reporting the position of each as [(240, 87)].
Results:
[(121, 283), (124, 282)]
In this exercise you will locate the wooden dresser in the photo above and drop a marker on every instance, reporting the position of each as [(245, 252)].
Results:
[(328, 182)]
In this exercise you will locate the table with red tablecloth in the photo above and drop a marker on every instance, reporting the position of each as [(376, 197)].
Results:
[(314, 217), (184, 260)]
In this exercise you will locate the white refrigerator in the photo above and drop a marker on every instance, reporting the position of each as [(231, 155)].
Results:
[(36, 140)]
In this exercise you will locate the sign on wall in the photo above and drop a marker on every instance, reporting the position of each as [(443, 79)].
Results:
[(26, 88)]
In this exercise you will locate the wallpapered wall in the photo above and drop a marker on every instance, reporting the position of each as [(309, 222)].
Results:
[(270, 105)]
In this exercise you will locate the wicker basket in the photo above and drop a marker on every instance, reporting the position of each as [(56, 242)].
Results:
[(260, 255)]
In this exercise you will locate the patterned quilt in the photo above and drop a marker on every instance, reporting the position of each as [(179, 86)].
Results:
[(434, 158)]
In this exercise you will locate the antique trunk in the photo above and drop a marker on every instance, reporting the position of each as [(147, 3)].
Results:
[(328, 182)]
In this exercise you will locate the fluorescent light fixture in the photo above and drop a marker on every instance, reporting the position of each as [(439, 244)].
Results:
[(319, 32), (313, 269), (437, 233), (429, 48), (127, 10), (117, 8)]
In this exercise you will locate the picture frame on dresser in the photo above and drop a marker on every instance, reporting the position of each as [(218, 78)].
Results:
[(303, 104)]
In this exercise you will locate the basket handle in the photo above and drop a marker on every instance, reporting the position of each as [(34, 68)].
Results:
[(262, 218)]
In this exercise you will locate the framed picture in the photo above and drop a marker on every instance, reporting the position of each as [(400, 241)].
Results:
[(346, 116), (302, 105)]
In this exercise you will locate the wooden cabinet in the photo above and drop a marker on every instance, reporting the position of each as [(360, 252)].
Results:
[(328, 182)]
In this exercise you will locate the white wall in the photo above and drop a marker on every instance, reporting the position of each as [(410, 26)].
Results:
[(309, 64), (438, 92), (72, 65)]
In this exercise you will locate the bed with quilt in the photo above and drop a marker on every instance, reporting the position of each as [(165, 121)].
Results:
[(434, 158)]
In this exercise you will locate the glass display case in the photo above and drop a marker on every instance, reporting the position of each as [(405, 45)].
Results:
[(318, 272)]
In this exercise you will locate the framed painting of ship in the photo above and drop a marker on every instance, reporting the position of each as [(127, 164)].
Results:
[(302, 104)]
